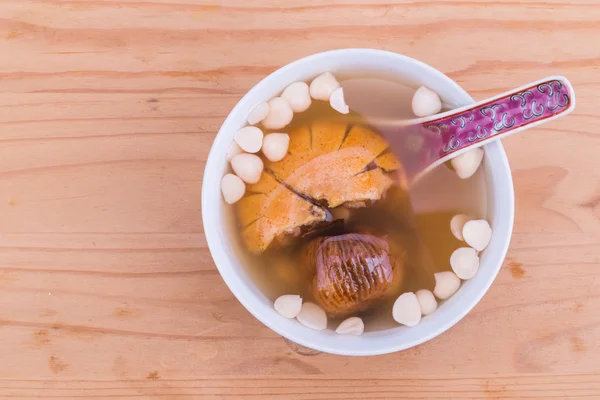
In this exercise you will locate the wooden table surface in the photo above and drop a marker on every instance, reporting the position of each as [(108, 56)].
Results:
[(108, 109)]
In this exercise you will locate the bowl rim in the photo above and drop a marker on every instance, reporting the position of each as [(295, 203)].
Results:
[(237, 287)]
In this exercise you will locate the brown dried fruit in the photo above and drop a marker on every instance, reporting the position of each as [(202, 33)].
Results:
[(351, 272)]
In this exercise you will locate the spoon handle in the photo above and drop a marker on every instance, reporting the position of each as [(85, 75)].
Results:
[(446, 135)]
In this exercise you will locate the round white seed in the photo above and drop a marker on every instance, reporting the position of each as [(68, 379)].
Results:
[(427, 301), (298, 96), (457, 223), (249, 138), (446, 284), (477, 234), (280, 114), (288, 305), (312, 316), (464, 262), (426, 102), (258, 113), (467, 163), (233, 150), (337, 101), (323, 86), (233, 188), (351, 326), (248, 167), (275, 146), (406, 309)]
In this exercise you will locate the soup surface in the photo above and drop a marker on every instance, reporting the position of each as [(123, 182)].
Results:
[(318, 186)]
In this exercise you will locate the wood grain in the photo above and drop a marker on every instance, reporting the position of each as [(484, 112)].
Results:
[(108, 109)]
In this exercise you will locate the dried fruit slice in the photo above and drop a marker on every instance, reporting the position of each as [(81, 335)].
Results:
[(330, 177), (327, 136), (388, 162), (300, 140), (281, 212), (271, 209), (250, 208), (291, 163), (362, 137), (299, 154), (328, 162), (265, 185), (369, 185)]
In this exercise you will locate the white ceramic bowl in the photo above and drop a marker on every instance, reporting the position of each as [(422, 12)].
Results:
[(225, 252)]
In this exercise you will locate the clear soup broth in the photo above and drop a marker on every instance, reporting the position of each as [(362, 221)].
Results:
[(418, 222)]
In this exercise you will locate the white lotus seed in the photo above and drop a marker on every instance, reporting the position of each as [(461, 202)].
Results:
[(233, 188), (248, 167), (427, 301), (467, 163), (233, 150), (351, 326), (426, 102), (312, 316), (280, 114), (464, 262), (275, 146), (446, 284), (337, 101), (323, 86), (477, 234), (249, 138), (406, 309), (457, 223), (298, 96), (258, 113), (288, 305)]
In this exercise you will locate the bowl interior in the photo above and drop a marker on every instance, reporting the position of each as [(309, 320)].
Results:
[(225, 252)]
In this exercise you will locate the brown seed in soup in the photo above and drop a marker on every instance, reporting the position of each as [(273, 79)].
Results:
[(352, 272)]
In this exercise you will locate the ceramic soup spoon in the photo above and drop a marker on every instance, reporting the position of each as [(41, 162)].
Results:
[(422, 144)]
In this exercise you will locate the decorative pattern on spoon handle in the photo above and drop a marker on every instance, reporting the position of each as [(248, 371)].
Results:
[(506, 114)]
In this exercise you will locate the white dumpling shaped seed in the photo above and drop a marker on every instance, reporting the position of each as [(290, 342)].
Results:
[(298, 96), (426, 102), (464, 262), (477, 234), (406, 309), (323, 86), (258, 113), (280, 114), (457, 223), (275, 146), (337, 101), (249, 138), (351, 326), (427, 301), (232, 188), (288, 305), (312, 316), (467, 163), (248, 167), (446, 284)]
